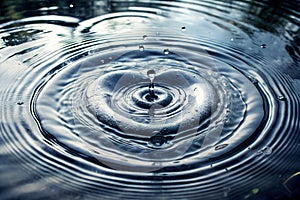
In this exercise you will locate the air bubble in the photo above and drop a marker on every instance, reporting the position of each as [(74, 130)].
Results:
[(166, 51)]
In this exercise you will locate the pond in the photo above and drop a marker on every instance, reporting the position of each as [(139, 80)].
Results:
[(140, 99)]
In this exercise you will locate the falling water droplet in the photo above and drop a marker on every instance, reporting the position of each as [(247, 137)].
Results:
[(141, 48), (183, 28), (263, 46), (281, 98), (151, 74), (20, 103), (145, 37), (231, 39), (71, 5), (166, 51)]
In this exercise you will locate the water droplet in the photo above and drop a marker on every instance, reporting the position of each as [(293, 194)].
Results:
[(166, 51), (145, 37), (263, 46), (71, 5), (151, 74), (231, 39), (141, 48), (110, 58), (281, 98), (102, 61), (183, 28), (20, 103), (220, 146), (267, 150)]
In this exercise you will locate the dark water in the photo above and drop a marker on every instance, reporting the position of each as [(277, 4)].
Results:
[(149, 99)]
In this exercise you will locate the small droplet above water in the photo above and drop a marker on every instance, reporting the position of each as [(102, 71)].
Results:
[(71, 5), (263, 46), (141, 48), (145, 37), (166, 51), (151, 74), (183, 28), (20, 103)]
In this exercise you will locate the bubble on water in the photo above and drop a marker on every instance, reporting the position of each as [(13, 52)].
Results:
[(231, 39), (263, 46), (183, 28), (166, 51), (267, 150), (220, 146), (281, 98), (141, 48), (71, 6), (145, 37), (157, 139)]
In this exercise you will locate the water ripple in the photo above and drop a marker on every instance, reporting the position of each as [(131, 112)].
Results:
[(85, 109)]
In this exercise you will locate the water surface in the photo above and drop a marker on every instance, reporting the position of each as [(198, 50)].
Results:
[(149, 99)]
